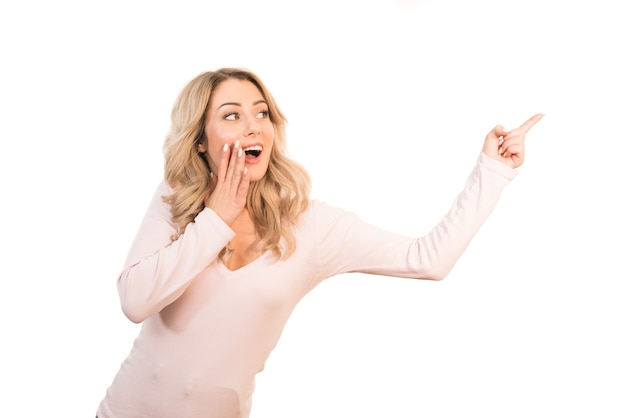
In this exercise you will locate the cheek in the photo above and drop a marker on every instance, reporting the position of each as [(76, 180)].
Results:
[(215, 148), (213, 155), (269, 134)]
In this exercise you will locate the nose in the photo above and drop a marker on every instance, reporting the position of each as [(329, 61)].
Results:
[(253, 127)]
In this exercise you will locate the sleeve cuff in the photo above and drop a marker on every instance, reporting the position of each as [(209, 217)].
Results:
[(219, 227), (496, 166)]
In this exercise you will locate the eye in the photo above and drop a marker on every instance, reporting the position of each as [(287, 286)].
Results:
[(231, 116), (263, 114)]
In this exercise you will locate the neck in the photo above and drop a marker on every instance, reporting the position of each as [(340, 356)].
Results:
[(243, 225)]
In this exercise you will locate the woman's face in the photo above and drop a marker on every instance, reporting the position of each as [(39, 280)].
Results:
[(238, 112)]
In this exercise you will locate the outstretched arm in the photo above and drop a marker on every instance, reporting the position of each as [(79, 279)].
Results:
[(351, 245)]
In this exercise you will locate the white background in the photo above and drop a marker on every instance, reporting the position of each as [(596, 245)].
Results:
[(388, 103)]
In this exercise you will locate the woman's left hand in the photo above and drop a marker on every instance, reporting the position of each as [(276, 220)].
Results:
[(508, 146)]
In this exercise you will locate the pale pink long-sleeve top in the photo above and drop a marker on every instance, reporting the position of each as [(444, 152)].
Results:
[(207, 331)]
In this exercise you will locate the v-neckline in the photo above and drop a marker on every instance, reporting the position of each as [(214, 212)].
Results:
[(225, 268)]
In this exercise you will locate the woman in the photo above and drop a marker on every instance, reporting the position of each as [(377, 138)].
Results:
[(231, 242)]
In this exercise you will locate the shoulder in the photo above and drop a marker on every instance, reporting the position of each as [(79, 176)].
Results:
[(322, 215), (163, 188), (161, 191), (158, 206), (320, 208)]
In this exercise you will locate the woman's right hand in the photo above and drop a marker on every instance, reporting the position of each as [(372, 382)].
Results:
[(229, 189)]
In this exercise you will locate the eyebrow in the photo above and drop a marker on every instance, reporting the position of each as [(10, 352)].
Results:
[(239, 104)]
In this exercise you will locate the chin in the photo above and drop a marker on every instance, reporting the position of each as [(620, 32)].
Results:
[(256, 173)]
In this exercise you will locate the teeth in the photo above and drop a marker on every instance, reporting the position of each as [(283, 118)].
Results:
[(254, 148)]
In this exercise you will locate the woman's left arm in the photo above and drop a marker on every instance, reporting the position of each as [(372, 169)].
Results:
[(347, 244)]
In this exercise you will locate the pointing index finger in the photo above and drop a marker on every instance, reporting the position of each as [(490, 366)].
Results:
[(531, 122)]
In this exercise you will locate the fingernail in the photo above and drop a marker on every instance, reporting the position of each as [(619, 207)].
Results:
[(225, 147), (239, 152), (245, 170), (236, 143)]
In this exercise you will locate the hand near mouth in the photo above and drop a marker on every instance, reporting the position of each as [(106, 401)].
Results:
[(229, 189)]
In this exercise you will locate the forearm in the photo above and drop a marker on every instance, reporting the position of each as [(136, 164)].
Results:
[(149, 284), (437, 252)]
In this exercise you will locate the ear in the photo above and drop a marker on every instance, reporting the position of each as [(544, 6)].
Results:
[(201, 147)]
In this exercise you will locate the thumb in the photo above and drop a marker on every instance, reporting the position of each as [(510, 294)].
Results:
[(492, 140)]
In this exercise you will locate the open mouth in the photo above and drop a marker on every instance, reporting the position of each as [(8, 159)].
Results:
[(253, 151)]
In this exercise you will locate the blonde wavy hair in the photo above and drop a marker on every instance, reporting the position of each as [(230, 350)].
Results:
[(274, 202)]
